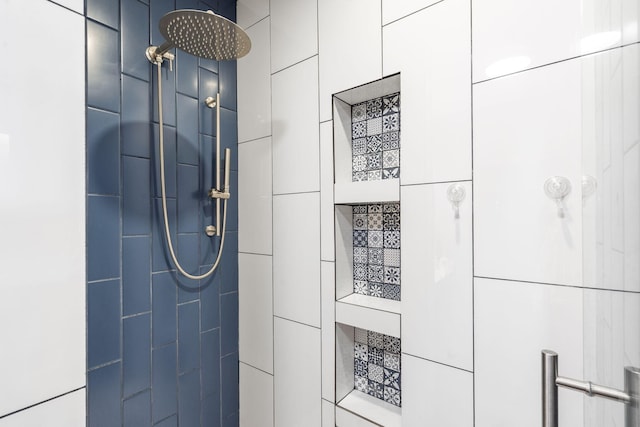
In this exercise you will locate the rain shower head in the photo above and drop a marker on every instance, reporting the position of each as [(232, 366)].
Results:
[(203, 34)]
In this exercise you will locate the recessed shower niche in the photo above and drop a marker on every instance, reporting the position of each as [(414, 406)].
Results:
[(366, 138)]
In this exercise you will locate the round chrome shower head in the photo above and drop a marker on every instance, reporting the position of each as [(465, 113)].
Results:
[(205, 34)]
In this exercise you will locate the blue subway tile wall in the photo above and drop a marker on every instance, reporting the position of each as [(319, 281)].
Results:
[(162, 350)]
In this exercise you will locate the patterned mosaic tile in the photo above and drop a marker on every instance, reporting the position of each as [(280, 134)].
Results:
[(375, 129), (376, 366), (376, 250)]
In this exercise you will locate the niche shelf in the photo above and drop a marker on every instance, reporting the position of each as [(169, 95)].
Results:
[(367, 237)]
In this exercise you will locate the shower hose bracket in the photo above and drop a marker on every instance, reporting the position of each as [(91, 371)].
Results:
[(157, 58), (215, 194)]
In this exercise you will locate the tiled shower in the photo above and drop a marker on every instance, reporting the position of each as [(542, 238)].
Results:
[(432, 294)]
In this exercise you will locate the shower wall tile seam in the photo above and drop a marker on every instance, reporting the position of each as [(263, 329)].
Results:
[(294, 64), (560, 285), (103, 365), (439, 363), (297, 321)]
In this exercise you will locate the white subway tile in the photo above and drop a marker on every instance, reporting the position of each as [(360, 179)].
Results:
[(437, 276), (435, 97), (254, 86), (393, 10), (255, 197), (256, 397), (327, 272), (514, 322), (297, 378), (327, 242), (65, 411), (255, 293), (294, 32), (296, 130), (251, 11), (296, 257)]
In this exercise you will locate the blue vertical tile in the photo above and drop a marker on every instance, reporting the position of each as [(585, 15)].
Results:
[(210, 363), (103, 152), (135, 123), (208, 5), (136, 215), (136, 275), (207, 148), (211, 411), (229, 135), (229, 263), (187, 129), (168, 93), (189, 196), (137, 410), (209, 64), (170, 161), (188, 336), (228, 85), (136, 363), (103, 237), (228, 10), (189, 400), (228, 323), (103, 322), (103, 386), (188, 290), (135, 39), (232, 420), (103, 67), (229, 382), (158, 9), (168, 422), (164, 308), (207, 86), (187, 4), (187, 72), (188, 253), (161, 258), (165, 382), (209, 302), (104, 11), (209, 246)]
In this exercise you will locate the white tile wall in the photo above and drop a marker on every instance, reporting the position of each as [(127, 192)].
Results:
[(393, 10), (254, 94), (435, 126), (294, 32), (328, 414), (256, 397), (43, 345), (297, 379), (574, 28), (349, 35), (514, 322), (255, 293), (296, 128), (75, 5), (255, 197), (327, 242), (436, 393), (328, 274), (437, 276), (251, 11), (65, 411), (518, 234), (296, 257)]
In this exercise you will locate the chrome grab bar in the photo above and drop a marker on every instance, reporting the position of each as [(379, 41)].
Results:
[(551, 381)]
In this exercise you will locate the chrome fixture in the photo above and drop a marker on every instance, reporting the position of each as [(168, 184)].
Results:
[(210, 36), (557, 188), (551, 381), (456, 194)]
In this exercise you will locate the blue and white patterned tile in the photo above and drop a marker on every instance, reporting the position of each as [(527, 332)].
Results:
[(359, 176), (373, 143), (392, 257), (391, 275), (361, 287), (374, 108), (391, 239), (374, 161), (376, 356), (376, 390), (391, 292), (375, 175), (360, 146), (359, 163), (360, 272), (392, 361), (375, 289), (361, 384), (391, 123), (375, 273), (391, 378), (359, 129), (359, 221), (392, 344), (376, 339), (391, 159), (359, 112), (391, 140), (361, 351), (360, 255), (374, 208), (375, 256), (374, 221), (392, 396), (391, 104), (376, 372), (360, 238), (374, 126), (361, 336), (360, 209), (360, 368), (391, 173), (375, 238)]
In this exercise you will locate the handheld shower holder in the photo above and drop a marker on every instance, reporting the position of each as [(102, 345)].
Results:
[(215, 194), (156, 55)]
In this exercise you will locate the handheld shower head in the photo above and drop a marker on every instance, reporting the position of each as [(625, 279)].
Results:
[(200, 33)]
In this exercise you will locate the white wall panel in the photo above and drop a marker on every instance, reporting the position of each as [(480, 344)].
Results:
[(42, 188), (255, 293), (251, 11), (527, 128), (434, 394), (255, 201), (254, 85), (296, 130), (296, 257), (350, 40), (514, 322), (297, 377), (256, 397), (393, 10), (437, 276), (327, 243), (435, 99), (328, 273), (65, 411), (294, 32)]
